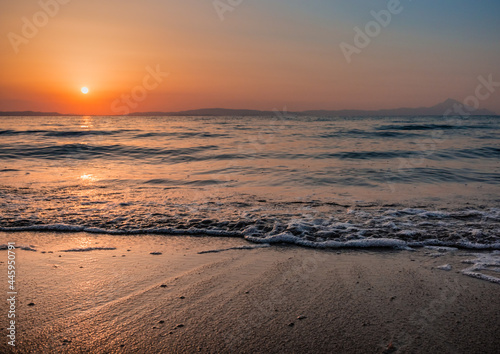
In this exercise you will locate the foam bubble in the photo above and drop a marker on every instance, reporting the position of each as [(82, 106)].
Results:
[(446, 267)]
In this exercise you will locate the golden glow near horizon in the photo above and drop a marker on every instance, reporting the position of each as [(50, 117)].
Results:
[(85, 90)]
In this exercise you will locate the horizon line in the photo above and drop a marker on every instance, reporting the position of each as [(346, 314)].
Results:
[(448, 101)]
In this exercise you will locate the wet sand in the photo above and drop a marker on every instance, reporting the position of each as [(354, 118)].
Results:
[(120, 298)]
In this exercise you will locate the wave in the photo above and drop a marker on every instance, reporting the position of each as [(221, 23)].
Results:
[(436, 175), (387, 228), (166, 181), (208, 152), (409, 127), (447, 154), (182, 135), (365, 134), (66, 133), (87, 151)]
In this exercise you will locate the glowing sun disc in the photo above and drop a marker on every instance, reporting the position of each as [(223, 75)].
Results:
[(85, 90)]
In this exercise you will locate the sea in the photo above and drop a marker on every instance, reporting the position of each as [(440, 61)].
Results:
[(325, 182)]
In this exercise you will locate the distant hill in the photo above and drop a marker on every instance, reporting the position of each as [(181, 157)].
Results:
[(440, 109), (208, 112), (31, 113)]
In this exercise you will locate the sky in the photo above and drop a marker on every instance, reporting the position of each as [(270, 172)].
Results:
[(171, 55)]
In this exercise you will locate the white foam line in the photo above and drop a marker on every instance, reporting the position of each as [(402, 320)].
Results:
[(442, 248), (365, 243), (251, 235), (481, 276), (459, 244), (483, 262)]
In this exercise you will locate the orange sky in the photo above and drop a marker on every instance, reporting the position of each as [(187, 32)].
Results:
[(263, 55)]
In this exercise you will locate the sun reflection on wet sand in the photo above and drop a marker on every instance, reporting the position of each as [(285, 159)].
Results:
[(88, 177), (83, 242)]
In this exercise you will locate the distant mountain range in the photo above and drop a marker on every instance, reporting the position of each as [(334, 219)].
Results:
[(449, 107)]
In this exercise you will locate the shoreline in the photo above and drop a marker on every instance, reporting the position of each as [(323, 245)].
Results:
[(284, 238), (214, 294)]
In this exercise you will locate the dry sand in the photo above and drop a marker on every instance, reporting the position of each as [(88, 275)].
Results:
[(277, 299)]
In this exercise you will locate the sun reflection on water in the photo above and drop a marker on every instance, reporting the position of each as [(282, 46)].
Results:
[(87, 122)]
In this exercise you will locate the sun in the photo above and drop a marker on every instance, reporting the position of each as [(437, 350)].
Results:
[(85, 90)]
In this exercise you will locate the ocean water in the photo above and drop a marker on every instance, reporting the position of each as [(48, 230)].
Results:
[(320, 182)]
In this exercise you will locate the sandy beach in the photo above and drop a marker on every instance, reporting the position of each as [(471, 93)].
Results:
[(109, 294)]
